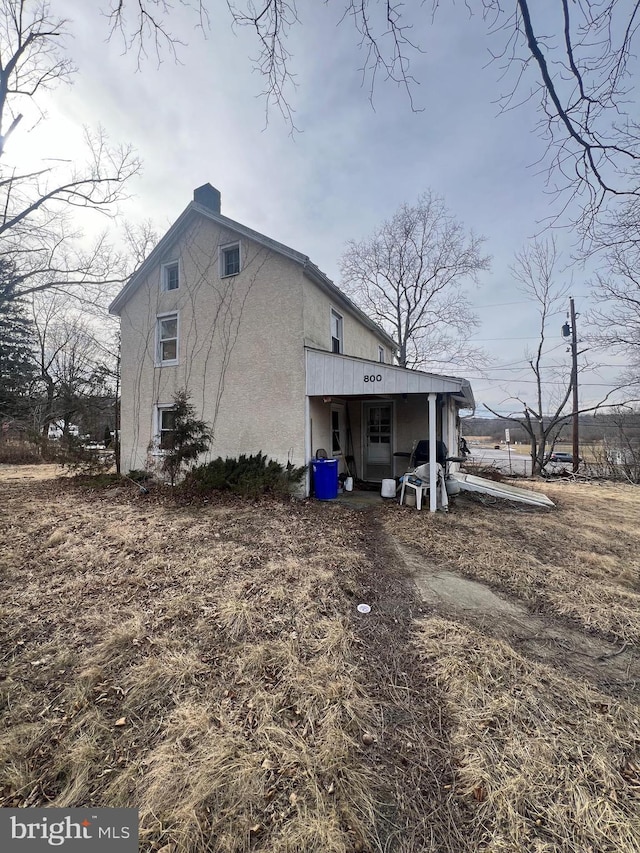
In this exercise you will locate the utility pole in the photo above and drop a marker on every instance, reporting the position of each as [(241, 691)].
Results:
[(574, 384)]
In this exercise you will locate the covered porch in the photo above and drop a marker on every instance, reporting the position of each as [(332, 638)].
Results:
[(370, 415)]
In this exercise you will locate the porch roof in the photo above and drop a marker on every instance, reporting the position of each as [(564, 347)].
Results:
[(330, 374)]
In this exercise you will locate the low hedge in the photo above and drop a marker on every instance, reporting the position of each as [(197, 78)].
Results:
[(249, 476)]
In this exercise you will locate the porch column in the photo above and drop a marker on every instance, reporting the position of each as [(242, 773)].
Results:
[(433, 495), (307, 445), (452, 439)]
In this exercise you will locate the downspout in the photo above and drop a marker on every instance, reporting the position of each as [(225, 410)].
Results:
[(433, 479)]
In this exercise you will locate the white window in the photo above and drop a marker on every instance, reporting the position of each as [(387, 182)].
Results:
[(381, 355), (230, 260), (171, 276), (166, 424), (336, 332), (167, 340), (337, 431)]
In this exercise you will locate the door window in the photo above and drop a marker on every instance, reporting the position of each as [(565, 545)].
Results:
[(379, 434)]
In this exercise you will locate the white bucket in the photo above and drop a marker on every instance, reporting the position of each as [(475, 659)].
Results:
[(348, 484), (388, 489)]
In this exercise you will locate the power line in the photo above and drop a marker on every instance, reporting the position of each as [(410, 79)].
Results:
[(557, 383), (516, 369), (533, 338), (502, 304)]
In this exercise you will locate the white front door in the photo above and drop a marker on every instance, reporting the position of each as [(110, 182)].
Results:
[(378, 440)]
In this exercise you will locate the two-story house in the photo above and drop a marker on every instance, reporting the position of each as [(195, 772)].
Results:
[(273, 355)]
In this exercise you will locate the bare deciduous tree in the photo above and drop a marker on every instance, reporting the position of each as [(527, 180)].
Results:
[(621, 449), (139, 240), (68, 356), (617, 293), (536, 270), (38, 234), (409, 276)]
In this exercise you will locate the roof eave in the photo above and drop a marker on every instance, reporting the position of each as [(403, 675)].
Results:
[(393, 379), (150, 261), (466, 397), (174, 232), (318, 277)]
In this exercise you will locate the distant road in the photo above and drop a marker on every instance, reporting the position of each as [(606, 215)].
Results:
[(500, 459)]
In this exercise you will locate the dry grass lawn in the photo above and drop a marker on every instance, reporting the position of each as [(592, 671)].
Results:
[(206, 663), (551, 758), (580, 561)]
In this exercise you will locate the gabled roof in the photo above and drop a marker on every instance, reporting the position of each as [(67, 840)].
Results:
[(310, 270)]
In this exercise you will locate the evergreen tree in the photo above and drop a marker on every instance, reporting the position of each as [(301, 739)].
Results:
[(188, 438), (17, 365)]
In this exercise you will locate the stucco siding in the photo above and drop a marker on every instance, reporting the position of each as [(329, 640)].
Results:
[(320, 414), (412, 424), (240, 351), (321, 428), (359, 341)]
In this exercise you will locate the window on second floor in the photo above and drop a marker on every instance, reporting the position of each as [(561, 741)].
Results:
[(381, 355), (171, 276), (337, 344), (230, 260), (167, 340)]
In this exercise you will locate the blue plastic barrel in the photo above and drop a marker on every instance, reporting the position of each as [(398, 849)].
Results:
[(325, 479)]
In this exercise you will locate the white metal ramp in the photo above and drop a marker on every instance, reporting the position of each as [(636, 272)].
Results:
[(471, 483)]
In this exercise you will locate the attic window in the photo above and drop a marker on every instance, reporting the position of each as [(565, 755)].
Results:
[(230, 260), (171, 276)]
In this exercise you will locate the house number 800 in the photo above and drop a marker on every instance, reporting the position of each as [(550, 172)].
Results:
[(373, 377)]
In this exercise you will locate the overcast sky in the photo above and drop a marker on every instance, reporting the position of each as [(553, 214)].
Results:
[(350, 166)]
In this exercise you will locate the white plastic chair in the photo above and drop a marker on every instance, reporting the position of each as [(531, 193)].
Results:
[(418, 480)]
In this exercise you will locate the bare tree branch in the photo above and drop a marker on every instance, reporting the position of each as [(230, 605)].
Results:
[(535, 268), (142, 24), (38, 235), (616, 291), (409, 276)]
